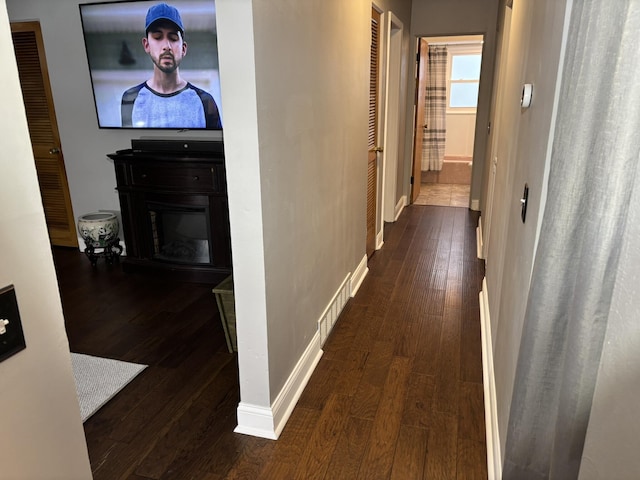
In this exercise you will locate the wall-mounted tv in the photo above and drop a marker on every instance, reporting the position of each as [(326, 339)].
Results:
[(153, 65)]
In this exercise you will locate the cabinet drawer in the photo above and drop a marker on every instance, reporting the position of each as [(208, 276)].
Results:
[(184, 177)]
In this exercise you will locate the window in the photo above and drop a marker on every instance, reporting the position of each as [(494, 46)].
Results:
[(464, 77)]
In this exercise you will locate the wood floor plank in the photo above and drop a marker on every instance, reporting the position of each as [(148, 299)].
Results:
[(350, 373), (411, 451), (447, 385), (291, 445), (369, 391), (471, 423), (250, 463), (347, 456), (184, 434), (378, 459), (471, 461), (442, 457), (322, 442), (471, 347), (320, 385), (417, 406)]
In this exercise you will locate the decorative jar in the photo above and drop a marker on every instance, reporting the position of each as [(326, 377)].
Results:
[(98, 229)]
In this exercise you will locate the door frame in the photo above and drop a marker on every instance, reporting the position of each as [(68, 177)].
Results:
[(392, 33), (482, 122)]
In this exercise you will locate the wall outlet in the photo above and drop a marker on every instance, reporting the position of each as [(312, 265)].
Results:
[(11, 336)]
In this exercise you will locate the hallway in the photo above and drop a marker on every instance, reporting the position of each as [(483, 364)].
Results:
[(397, 394)]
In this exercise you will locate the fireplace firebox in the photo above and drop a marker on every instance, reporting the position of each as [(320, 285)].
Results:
[(175, 217)]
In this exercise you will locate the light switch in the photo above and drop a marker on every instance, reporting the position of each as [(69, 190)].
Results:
[(11, 336), (527, 95), (524, 201)]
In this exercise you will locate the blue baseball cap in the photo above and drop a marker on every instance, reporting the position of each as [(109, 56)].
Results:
[(162, 11)]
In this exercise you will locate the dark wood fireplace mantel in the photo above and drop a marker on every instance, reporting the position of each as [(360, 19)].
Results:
[(175, 216)]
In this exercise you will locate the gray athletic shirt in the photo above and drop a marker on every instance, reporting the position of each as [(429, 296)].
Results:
[(190, 107)]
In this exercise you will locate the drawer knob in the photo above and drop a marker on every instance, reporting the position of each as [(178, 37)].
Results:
[(196, 177), (144, 175)]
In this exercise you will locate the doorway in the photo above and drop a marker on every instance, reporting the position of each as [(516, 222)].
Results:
[(448, 77)]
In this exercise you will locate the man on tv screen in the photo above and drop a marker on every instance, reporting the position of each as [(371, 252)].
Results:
[(166, 100)]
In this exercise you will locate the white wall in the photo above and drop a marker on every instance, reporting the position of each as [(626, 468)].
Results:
[(536, 37), (42, 435), (461, 129)]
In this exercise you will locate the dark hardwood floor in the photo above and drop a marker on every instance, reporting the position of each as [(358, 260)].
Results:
[(397, 394)]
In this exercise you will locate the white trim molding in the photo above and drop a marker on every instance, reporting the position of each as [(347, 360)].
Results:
[(494, 456), (380, 239), (400, 206), (358, 276), (479, 244), (269, 422)]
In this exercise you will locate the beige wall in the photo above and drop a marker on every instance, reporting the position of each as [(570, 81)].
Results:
[(312, 116), (41, 435)]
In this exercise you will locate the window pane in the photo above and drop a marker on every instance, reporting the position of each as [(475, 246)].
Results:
[(463, 95), (465, 67)]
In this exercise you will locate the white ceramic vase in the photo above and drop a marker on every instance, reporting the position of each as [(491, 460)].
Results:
[(99, 229)]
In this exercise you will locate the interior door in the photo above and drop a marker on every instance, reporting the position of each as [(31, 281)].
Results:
[(43, 129), (421, 86), (374, 149)]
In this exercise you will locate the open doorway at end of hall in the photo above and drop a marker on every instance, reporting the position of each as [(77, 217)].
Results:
[(448, 76)]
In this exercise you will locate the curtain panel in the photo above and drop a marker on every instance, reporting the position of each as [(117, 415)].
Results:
[(434, 132)]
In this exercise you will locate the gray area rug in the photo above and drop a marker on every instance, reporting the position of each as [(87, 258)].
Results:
[(98, 380)]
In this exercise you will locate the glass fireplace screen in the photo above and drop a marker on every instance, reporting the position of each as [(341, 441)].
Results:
[(180, 234)]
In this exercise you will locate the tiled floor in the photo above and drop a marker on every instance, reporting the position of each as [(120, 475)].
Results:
[(443, 194)]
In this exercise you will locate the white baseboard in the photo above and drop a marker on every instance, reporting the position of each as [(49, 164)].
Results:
[(358, 276), (332, 312), (479, 244), (380, 239), (475, 205), (494, 457), (256, 421), (269, 422), (399, 207)]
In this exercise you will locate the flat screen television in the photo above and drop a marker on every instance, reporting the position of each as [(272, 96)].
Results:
[(123, 58)]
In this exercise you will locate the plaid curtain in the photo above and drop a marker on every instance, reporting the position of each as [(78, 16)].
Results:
[(434, 131)]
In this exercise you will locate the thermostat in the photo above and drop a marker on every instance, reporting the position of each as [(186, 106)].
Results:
[(527, 93)]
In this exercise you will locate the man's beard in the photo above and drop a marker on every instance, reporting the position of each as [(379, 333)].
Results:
[(170, 68)]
